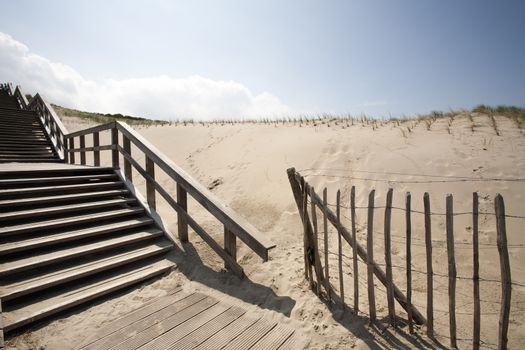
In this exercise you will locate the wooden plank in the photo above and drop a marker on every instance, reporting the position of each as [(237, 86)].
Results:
[(140, 314), (408, 220), (62, 276), (127, 165), (201, 334), (370, 257), (325, 236), (82, 153), (506, 281), (72, 220), (92, 149), (274, 339), (72, 235), (94, 129), (239, 226), (475, 273), (227, 334), (57, 179), (230, 244), (141, 331), (96, 151), (430, 273), (182, 224), (313, 239), (62, 254), (82, 294), (307, 231), (388, 260), (451, 271), (251, 336), (39, 212), (354, 251), (169, 337), (340, 250), (398, 294), (150, 187), (114, 152)]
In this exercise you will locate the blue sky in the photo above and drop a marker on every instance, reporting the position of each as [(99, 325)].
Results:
[(220, 58)]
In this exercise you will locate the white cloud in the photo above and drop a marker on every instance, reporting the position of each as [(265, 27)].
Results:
[(154, 97)]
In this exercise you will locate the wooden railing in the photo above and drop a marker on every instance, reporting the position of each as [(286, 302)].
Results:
[(234, 226)]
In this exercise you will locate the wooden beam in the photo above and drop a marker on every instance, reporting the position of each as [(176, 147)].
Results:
[(370, 257), (127, 165), (451, 272), (430, 273), (96, 152), (150, 187), (506, 281), (388, 260), (182, 199)]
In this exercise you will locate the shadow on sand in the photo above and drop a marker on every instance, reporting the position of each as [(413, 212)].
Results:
[(191, 265)]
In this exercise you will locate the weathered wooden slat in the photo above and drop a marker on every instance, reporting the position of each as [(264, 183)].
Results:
[(83, 152), (94, 129), (408, 219), (370, 257), (314, 241), (114, 151), (127, 165), (325, 237), (451, 271), (182, 224), (230, 244), (150, 187), (339, 249), (388, 260), (354, 251), (96, 151), (91, 149), (506, 281), (430, 273), (475, 273)]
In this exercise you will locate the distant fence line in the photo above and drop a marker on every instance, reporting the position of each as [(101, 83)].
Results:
[(317, 270)]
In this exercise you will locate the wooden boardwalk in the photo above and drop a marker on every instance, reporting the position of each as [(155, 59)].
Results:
[(192, 321)]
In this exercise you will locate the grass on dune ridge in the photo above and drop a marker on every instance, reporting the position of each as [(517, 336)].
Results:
[(517, 114)]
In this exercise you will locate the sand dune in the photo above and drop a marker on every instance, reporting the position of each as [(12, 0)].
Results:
[(245, 165)]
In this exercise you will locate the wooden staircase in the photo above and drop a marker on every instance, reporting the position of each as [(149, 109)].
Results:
[(70, 235), (22, 137)]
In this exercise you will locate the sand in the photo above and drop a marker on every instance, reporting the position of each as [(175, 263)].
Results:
[(245, 165)]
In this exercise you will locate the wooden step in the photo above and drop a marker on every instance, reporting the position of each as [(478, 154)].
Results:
[(5, 194), (62, 179), (61, 198), (35, 213), (81, 294), (28, 286), (30, 160), (36, 151), (26, 130), (69, 221), (68, 236), (67, 253)]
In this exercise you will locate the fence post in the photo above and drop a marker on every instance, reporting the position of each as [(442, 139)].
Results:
[(475, 276), (314, 225), (408, 217), (150, 186), (340, 250), (451, 271), (354, 251), (82, 152), (127, 164), (65, 148), (370, 257), (308, 254), (506, 286), (72, 154), (325, 228), (182, 224), (114, 152), (430, 284), (388, 260), (96, 152)]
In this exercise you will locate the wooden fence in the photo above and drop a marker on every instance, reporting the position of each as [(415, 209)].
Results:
[(317, 270)]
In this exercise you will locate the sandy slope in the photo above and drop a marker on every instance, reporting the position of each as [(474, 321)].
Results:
[(249, 162)]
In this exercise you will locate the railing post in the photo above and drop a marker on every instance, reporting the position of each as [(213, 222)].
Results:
[(230, 244), (182, 200), (127, 164), (65, 148), (83, 152), (150, 186), (114, 152), (72, 146), (96, 152)]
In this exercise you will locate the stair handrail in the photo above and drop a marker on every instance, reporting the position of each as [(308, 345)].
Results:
[(234, 225), (20, 98), (53, 126)]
